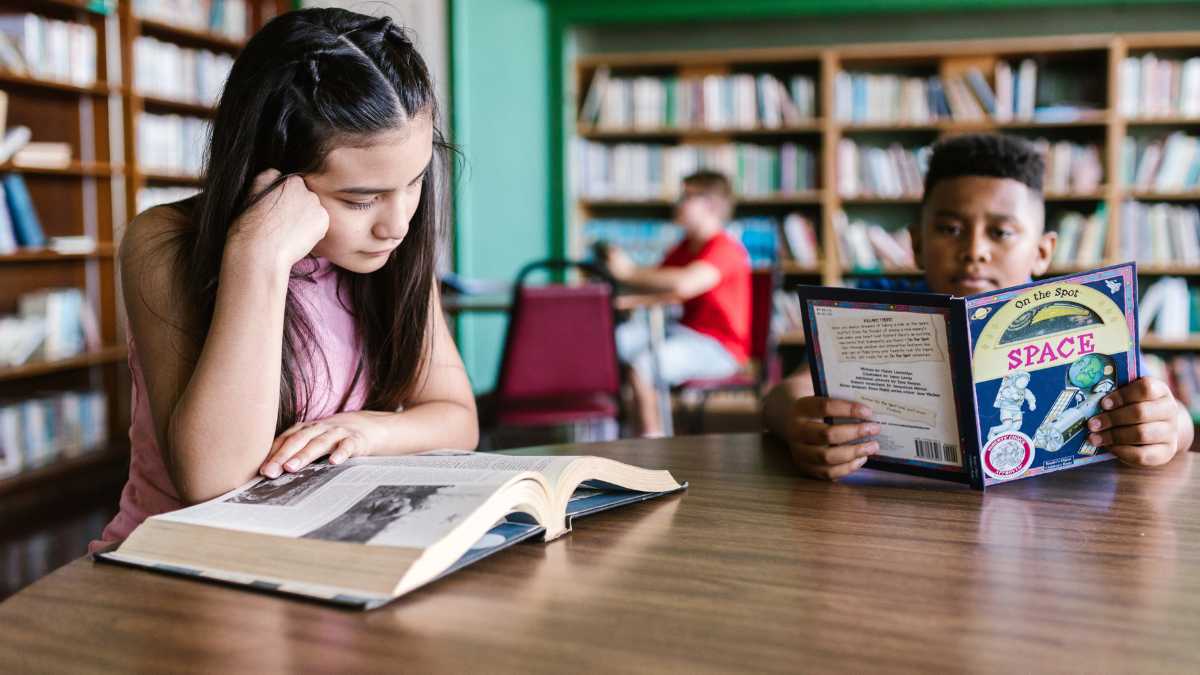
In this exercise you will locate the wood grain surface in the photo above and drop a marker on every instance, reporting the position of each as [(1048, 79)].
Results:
[(752, 569)]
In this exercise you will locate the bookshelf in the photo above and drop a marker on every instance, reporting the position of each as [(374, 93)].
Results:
[(1086, 70), (94, 195)]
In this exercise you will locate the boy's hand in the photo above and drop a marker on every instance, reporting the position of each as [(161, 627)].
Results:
[(829, 451), (618, 262), (1140, 423), (340, 436)]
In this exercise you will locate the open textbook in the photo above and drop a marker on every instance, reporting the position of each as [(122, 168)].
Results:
[(371, 529), (983, 389)]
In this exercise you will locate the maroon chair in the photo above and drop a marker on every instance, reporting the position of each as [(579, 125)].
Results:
[(763, 368), (559, 364)]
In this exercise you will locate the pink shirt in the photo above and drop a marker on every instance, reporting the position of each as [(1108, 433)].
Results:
[(149, 489)]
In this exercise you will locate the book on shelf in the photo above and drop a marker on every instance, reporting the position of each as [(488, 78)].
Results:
[(647, 242), (27, 228), (1170, 164), (14, 139), (654, 171), (1160, 234), (1181, 373), (1081, 239), (1071, 168), (43, 155), (39, 430), (228, 18), (48, 48), (736, 101), (1160, 87), (867, 247), (984, 389), (1166, 309), (800, 238), (168, 71), (72, 245), (895, 171), (171, 144), (68, 322), (367, 531)]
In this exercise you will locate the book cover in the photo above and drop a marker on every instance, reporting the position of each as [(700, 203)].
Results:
[(984, 389), (20, 207)]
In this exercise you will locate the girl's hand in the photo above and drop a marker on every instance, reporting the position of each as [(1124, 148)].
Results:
[(829, 451), (1139, 423), (284, 225), (341, 436)]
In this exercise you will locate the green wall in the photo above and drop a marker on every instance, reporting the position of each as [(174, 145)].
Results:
[(499, 121), (511, 106)]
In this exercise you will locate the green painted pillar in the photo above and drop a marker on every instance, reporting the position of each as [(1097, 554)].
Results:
[(499, 119)]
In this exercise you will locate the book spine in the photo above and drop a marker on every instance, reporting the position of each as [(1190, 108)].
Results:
[(962, 375), (20, 206)]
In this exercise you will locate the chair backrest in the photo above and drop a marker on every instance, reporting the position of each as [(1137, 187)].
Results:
[(762, 340), (560, 339)]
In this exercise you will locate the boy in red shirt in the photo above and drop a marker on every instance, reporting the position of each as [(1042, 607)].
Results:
[(709, 272)]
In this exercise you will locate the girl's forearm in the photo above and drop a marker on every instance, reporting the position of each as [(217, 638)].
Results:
[(433, 425), (223, 425)]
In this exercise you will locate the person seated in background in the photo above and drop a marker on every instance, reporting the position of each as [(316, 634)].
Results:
[(981, 228), (709, 272)]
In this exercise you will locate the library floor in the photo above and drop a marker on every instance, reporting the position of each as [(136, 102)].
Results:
[(31, 548)]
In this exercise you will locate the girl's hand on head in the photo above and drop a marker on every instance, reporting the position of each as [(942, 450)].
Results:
[(830, 451), (283, 225), (340, 436), (1138, 424)]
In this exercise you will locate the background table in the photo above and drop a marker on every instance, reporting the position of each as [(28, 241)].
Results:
[(753, 569)]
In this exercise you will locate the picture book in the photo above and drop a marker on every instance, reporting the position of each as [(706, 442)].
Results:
[(366, 531), (984, 389)]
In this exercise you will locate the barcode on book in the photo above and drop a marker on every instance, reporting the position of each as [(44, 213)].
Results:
[(934, 450)]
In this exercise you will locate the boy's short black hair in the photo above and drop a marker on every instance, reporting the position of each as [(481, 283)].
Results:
[(991, 155)]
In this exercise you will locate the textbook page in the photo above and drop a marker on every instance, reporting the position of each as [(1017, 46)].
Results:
[(389, 501), (896, 360)]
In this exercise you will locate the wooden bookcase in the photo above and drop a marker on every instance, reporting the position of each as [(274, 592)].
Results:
[(96, 195), (1100, 56)]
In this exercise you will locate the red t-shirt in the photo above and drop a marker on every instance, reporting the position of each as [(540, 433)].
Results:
[(723, 311)]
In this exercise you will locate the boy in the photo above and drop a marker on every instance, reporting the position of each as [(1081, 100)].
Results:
[(981, 228), (710, 273)]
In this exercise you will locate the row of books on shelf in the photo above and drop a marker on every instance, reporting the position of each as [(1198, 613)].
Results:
[(1170, 164), (867, 171), (1159, 233), (866, 246), (166, 70), (653, 171), (41, 430), (884, 98), (1071, 168), (48, 49), (1169, 309), (230, 18), (50, 324), (1182, 373), (1081, 238), (1159, 87), (149, 197), (172, 144), (741, 100), (648, 241)]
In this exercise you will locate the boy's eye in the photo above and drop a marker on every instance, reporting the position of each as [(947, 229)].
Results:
[(1002, 232), (951, 229)]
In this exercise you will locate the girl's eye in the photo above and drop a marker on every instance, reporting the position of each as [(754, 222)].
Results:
[(360, 206)]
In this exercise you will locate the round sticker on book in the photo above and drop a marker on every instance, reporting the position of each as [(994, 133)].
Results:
[(1008, 455)]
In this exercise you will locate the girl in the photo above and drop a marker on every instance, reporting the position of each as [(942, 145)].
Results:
[(287, 312)]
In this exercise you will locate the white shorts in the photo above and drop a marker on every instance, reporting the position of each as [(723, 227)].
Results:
[(684, 355)]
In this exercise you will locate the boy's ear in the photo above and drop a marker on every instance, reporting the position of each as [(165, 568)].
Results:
[(1045, 252)]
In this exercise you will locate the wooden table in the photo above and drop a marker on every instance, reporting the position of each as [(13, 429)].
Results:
[(753, 569)]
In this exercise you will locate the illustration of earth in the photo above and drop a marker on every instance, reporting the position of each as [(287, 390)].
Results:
[(1087, 371)]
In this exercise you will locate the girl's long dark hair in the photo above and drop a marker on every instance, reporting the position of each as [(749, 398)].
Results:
[(309, 80)]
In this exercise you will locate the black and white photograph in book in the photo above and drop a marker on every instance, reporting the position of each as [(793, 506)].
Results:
[(380, 508), (290, 488)]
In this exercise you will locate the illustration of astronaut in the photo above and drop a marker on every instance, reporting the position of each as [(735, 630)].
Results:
[(1010, 399), (1088, 380)]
